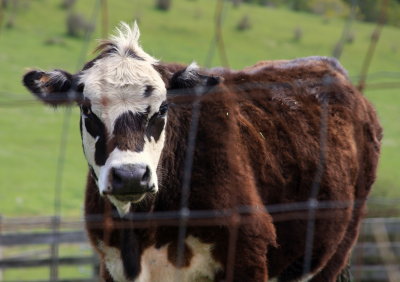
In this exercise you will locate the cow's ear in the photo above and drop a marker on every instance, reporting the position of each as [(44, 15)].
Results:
[(54, 88), (191, 77)]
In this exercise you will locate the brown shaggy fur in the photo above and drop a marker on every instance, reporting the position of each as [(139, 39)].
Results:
[(259, 144)]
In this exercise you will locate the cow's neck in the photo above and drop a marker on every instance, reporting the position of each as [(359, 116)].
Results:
[(171, 165)]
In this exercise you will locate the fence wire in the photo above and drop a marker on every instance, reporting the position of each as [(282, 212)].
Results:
[(63, 149), (374, 42), (183, 218)]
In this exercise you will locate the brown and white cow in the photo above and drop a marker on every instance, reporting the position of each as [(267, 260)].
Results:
[(272, 135)]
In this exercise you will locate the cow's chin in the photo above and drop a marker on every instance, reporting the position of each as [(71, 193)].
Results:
[(123, 204)]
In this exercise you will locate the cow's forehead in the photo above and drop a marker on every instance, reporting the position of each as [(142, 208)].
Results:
[(115, 79), (115, 85), (123, 77)]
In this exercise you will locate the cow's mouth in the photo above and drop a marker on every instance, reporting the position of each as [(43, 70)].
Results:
[(122, 199), (134, 198)]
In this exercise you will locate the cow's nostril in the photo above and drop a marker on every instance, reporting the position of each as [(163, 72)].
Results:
[(117, 179), (146, 175)]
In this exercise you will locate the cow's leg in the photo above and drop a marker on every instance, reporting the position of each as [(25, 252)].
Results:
[(294, 272), (337, 267), (345, 274), (247, 262), (251, 256), (330, 248)]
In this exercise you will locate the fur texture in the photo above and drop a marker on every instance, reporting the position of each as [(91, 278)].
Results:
[(258, 143)]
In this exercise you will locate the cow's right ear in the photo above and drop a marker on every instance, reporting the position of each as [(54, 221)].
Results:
[(192, 78), (54, 88)]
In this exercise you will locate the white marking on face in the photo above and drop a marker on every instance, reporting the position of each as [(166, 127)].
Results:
[(155, 266), (114, 85)]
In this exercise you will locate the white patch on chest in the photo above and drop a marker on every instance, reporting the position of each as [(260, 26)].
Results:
[(155, 266)]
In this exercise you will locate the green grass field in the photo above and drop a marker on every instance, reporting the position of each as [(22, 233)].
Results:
[(30, 134)]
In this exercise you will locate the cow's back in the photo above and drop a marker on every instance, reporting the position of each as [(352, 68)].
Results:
[(306, 131), (300, 117)]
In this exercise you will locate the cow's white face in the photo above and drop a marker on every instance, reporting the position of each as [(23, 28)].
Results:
[(123, 117), (122, 96)]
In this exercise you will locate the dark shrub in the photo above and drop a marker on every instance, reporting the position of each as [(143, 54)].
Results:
[(163, 5), (350, 37), (244, 23), (77, 25), (297, 34), (67, 4)]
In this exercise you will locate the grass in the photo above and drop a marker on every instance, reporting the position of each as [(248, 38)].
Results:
[(30, 134), (66, 272)]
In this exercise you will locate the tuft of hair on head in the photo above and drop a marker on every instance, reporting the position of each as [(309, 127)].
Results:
[(126, 35), (125, 42)]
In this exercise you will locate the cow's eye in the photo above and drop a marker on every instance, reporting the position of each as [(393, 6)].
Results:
[(163, 109), (86, 110)]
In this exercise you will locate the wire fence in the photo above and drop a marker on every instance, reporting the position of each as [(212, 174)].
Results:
[(374, 257), (183, 218)]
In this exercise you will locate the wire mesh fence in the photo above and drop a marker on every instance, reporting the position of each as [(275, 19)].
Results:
[(379, 237)]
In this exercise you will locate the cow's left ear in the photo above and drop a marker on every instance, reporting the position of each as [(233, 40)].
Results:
[(54, 88), (191, 77)]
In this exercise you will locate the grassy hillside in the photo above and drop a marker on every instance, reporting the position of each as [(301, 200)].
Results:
[(30, 134)]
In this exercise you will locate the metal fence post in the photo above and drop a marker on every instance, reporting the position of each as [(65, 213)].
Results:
[(55, 224), (1, 244)]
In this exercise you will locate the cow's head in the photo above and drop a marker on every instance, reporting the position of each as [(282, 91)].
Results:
[(122, 95)]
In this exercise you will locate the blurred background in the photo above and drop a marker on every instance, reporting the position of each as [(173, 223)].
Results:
[(42, 168)]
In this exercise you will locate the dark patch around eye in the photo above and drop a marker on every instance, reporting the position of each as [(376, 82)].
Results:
[(93, 125), (148, 91), (155, 128), (96, 128), (101, 154), (163, 108), (86, 110), (157, 123), (129, 131)]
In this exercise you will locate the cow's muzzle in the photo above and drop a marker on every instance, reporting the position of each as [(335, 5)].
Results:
[(130, 182)]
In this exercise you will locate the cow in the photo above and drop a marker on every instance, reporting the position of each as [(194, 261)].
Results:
[(265, 157)]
